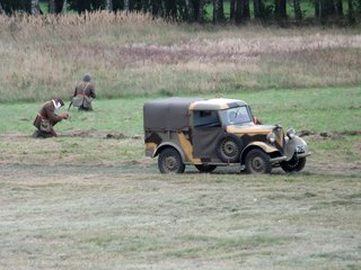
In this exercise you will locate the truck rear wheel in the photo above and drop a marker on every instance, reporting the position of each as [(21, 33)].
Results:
[(257, 161), (169, 161)]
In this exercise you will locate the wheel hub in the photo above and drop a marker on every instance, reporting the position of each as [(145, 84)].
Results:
[(230, 149), (170, 163), (257, 164)]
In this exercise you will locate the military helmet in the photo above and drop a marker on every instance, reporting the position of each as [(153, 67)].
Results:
[(87, 77)]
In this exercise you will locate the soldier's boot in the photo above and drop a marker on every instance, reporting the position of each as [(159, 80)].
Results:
[(42, 134), (36, 134), (89, 108)]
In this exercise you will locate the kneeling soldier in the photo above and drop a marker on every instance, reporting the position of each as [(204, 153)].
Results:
[(84, 94), (46, 118)]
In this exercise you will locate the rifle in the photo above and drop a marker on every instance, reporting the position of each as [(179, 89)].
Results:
[(71, 103)]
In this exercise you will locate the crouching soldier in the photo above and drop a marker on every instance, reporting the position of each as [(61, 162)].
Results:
[(47, 118), (84, 94)]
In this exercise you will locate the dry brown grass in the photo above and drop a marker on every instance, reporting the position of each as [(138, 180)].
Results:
[(133, 54), (130, 218), (95, 18)]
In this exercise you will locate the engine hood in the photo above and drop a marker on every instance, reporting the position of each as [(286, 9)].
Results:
[(250, 129)]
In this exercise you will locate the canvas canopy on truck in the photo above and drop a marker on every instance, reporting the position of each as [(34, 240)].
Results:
[(167, 114)]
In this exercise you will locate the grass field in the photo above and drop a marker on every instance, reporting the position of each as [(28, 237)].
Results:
[(89, 199), (83, 200), (132, 56), (313, 110), (318, 110), (116, 218)]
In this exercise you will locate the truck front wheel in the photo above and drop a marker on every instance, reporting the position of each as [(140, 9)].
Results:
[(295, 164), (169, 161), (257, 161)]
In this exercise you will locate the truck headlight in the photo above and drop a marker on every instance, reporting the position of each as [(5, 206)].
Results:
[(271, 137), (291, 133)]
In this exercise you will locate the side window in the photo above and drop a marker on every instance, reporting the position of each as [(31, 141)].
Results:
[(205, 119)]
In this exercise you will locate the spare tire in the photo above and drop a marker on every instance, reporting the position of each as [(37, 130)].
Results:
[(229, 149)]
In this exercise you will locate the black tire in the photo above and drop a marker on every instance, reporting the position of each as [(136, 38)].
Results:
[(229, 149), (169, 161), (205, 168), (257, 161), (295, 164)]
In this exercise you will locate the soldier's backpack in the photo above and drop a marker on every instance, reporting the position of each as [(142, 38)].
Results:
[(81, 100)]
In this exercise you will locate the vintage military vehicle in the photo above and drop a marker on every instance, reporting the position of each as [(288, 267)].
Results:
[(208, 133)]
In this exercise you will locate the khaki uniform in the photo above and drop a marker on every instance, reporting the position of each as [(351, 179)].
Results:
[(84, 93)]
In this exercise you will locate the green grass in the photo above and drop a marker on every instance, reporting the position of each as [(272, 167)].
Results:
[(99, 203), (83, 137), (345, 148), (318, 110), (87, 202)]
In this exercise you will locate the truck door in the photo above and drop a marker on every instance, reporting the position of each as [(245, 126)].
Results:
[(206, 132)]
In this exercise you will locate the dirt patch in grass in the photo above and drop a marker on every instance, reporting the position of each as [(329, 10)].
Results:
[(330, 155), (91, 133), (94, 133), (326, 134), (332, 167)]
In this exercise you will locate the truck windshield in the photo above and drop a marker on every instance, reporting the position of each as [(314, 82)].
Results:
[(236, 116)]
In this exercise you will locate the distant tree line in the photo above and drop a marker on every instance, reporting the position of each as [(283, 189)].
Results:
[(239, 11)]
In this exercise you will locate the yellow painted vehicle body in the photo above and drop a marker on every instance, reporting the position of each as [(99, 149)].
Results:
[(216, 132)]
